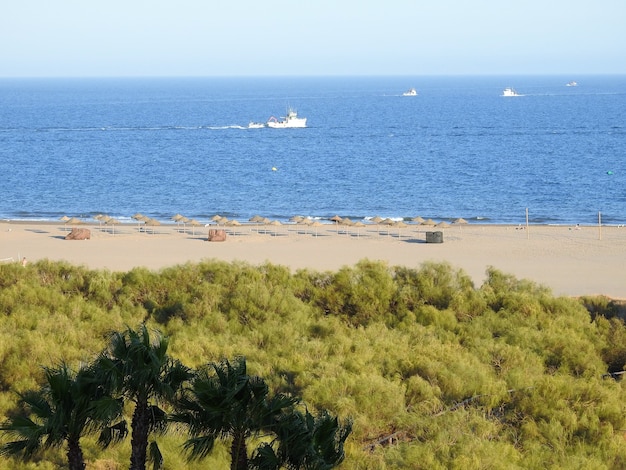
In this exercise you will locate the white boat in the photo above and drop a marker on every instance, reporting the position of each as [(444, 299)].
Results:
[(291, 120), (410, 92), (510, 92), (256, 125), (572, 83)]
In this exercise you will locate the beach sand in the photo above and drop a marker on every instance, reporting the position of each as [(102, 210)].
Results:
[(569, 260)]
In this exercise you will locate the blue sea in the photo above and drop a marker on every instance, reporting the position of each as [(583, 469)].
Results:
[(162, 146)]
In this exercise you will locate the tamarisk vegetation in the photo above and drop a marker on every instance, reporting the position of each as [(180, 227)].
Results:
[(240, 366)]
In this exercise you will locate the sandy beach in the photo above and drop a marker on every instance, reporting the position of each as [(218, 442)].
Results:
[(570, 260)]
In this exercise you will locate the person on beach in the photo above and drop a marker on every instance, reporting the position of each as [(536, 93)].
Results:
[(24, 262)]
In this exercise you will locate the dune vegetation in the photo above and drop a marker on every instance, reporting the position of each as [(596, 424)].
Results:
[(431, 371)]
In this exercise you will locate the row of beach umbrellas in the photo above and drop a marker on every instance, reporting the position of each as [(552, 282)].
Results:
[(259, 220)]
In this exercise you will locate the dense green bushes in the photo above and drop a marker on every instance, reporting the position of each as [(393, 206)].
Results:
[(502, 375)]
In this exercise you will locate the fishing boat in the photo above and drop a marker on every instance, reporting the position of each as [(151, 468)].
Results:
[(510, 92), (572, 83), (290, 120), (410, 92)]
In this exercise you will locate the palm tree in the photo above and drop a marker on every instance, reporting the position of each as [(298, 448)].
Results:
[(139, 368), (304, 441), (69, 405), (225, 402)]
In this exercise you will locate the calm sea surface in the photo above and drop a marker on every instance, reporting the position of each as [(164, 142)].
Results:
[(80, 147)]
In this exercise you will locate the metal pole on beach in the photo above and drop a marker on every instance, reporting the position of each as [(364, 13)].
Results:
[(527, 234), (599, 225)]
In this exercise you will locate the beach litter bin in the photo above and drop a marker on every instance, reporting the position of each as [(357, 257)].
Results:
[(434, 237)]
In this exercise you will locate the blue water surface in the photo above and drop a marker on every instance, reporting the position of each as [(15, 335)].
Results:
[(80, 147)]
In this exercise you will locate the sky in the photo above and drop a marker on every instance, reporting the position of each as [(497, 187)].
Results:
[(139, 38)]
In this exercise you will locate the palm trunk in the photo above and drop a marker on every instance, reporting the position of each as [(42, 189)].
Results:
[(238, 454), (75, 455), (139, 439)]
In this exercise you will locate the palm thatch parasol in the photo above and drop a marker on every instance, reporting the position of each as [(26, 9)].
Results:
[(152, 223), (348, 223), (418, 220), (315, 224), (232, 223), (99, 218), (177, 218), (307, 223), (140, 218), (359, 225), (275, 223), (400, 225), (113, 222), (64, 219), (194, 223), (460, 222), (387, 222), (336, 219)]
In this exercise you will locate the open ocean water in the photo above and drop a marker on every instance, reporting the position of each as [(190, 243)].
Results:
[(80, 147)]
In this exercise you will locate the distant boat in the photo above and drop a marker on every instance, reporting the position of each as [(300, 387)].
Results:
[(291, 120), (510, 92), (572, 83), (410, 92)]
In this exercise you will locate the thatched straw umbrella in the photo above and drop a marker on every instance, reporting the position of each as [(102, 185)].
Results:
[(316, 224), (99, 217), (305, 222), (336, 219), (460, 222), (418, 220), (275, 223), (388, 223), (429, 222), (152, 223), (194, 223), (232, 223), (64, 219), (442, 224), (177, 218), (112, 222), (358, 226), (139, 217), (348, 223), (400, 225)]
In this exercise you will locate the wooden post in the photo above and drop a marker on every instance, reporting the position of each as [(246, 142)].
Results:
[(527, 233), (599, 225)]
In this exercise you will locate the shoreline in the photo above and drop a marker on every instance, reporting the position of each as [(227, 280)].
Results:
[(570, 260)]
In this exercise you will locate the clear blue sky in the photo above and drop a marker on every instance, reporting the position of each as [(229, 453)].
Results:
[(310, 37)]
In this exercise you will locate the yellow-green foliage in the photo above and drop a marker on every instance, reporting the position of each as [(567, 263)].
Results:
[(435, 372)]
